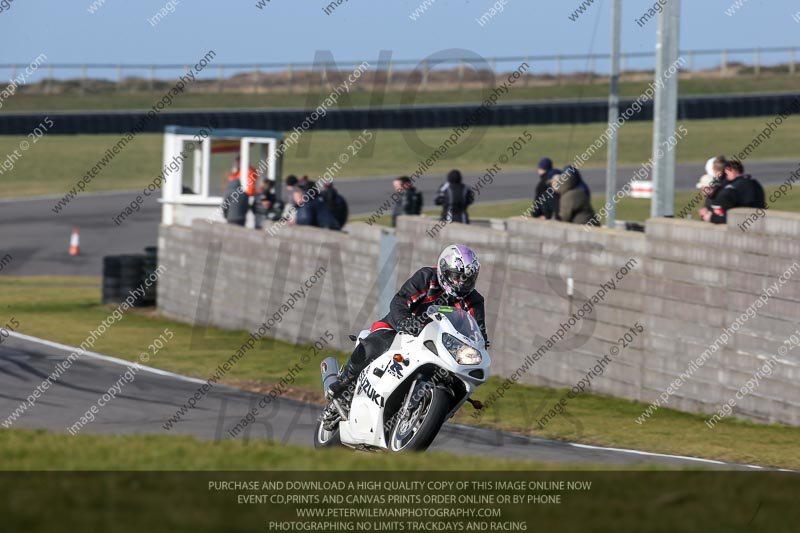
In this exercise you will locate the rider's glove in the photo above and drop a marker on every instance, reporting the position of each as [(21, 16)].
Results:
[(410, 325)]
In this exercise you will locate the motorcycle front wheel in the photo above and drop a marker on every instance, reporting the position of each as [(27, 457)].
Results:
[(417, 431)]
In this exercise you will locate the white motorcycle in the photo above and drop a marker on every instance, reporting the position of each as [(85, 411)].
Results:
[(404, 396)]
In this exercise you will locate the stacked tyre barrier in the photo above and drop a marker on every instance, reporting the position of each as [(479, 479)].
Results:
[(111, 279), (124, 274), (149, 266)]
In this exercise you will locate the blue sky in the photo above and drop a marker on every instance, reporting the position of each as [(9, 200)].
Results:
[(293, 30)]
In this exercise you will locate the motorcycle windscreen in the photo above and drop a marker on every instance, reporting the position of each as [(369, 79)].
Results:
[(464, 322)]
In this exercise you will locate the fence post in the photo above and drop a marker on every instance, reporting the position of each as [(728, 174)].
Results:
[(220, 75), (424, 83), (558, 69), (358, 87), (82, 89), (388, 73), (527, 74), (49, 79), (758, 61)]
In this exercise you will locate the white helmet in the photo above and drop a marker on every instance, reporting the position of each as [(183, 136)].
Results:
[(457, 270)]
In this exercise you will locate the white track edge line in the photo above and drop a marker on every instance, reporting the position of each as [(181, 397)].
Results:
[(107, 358), (639, 452)]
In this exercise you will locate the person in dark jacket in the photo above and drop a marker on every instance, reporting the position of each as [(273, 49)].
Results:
[(574, 205), (740, 190), (545, 166), (311, 209), (235, 203), (335, 202), (263, 202), (272, 201), (545, 199), (454, 197), (582, 185), (291, 182), (305, 182), (451, 282), (409, 201), (709, 186)]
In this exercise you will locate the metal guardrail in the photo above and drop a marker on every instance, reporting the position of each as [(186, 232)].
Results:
[(288, 75)]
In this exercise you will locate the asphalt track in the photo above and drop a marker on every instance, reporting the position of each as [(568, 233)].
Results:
[(38, 239), (153, 396)]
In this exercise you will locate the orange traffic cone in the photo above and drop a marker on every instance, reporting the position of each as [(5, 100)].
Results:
[(75, 243)]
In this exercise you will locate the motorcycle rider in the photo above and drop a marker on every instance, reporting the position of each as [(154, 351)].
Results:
[(450, 283)]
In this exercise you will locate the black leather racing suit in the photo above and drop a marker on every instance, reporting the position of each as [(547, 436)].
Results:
[(407, 313)]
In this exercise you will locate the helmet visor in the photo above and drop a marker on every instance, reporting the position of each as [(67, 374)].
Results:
[(463, 283)]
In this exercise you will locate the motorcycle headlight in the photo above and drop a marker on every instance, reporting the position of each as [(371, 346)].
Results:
[(462, 353)]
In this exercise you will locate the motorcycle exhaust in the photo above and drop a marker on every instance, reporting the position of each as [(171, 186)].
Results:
[(329, 368)]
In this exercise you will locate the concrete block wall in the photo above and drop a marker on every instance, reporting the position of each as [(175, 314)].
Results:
[(687, 282), (252, 275)]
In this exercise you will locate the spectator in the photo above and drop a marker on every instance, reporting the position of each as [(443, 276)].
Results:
[(311, 210), (545, 199), (739, 190), (545, 166), (264, 202), (335, 202), (580, 183), (718, 168), (252, 176), (709, 186), (410, 201), (306, 182), (575, 205), (291, 182), (235, 203), (454, 197), (716, 165), (716, 174)]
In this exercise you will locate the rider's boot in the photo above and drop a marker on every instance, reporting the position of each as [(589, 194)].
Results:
[(344, 386)]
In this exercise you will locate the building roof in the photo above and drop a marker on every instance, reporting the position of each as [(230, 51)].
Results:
[(222, 133)]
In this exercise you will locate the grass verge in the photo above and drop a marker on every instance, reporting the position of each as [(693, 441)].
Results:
[(64, 309), (362, 95), (56, 162), (39, 450)]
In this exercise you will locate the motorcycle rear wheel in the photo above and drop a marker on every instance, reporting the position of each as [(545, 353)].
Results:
[(324, 438)]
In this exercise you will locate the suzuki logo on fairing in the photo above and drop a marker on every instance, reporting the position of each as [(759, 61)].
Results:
[(396, 369), (366, 388)]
